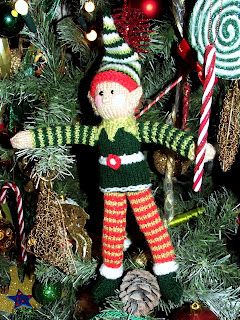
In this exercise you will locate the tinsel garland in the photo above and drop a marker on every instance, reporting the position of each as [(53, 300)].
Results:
[(134, 27)]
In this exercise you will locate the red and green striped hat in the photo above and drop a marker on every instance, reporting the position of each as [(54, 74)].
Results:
[(120, 63)]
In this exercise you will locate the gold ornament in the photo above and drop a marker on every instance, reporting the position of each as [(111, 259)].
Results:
[(10, 59), (48, 240), (229, 128), (5, 58), (75, 219), (7, 236), (16, 61), (141, 259), (6, 304), (160, 158), (185, 217), (7, 233)]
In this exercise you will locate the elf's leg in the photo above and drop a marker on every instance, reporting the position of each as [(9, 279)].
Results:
[(114, 232), (156, 234)]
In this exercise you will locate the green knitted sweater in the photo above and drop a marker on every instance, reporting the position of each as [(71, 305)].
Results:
[(122, 165)]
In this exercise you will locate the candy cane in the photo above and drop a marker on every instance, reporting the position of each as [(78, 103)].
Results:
[(210, 59), (3, 194), (163, 93)]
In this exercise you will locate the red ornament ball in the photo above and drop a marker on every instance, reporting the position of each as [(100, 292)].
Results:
[(194, 312), (151, 8)]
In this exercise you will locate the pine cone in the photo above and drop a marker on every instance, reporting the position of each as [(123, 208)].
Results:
[(139, 292)]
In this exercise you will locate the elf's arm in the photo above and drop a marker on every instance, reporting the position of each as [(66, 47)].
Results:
[(54, 136), (167, 136)]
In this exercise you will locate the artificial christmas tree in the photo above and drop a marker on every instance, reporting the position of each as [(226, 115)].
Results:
[(49, 89)]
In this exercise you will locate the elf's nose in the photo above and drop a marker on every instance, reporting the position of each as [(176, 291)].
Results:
[(106, 99)]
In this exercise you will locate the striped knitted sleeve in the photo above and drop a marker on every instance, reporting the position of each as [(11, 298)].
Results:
[(62, 135), (168, 136)]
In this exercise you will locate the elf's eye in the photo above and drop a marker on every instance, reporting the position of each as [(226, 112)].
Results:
[(101, 93), (112, 91)]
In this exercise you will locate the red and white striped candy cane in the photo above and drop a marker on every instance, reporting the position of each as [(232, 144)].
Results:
[(210, 60), (3, 195)]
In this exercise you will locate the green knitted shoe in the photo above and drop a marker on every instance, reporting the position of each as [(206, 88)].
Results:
[(105, 288), (170, 288)]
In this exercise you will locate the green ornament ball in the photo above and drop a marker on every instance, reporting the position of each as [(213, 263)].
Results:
[(10, 24), (46, 293)]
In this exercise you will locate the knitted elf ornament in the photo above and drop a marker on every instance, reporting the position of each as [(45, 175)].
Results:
[(115, 93)]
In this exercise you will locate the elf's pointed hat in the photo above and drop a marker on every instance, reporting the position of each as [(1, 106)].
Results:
[(120, 63)]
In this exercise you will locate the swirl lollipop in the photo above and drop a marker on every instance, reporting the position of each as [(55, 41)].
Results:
[(218, 22)]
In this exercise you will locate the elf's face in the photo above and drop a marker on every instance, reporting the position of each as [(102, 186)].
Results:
[(113, 101)]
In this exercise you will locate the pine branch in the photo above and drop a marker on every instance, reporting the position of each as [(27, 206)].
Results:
[(4, 176), (4, 271), (85, 270), (114, 310), (5, 154), (45, 40), (60, 310), (73, 37), (70, 188), (48, 161), (4, 93), (224, 302), (155, 79), (57, 98), (206, 269), (162, 38)]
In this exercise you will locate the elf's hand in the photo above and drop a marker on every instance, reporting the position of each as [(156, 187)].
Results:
[(210, 153), (22, 140)]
